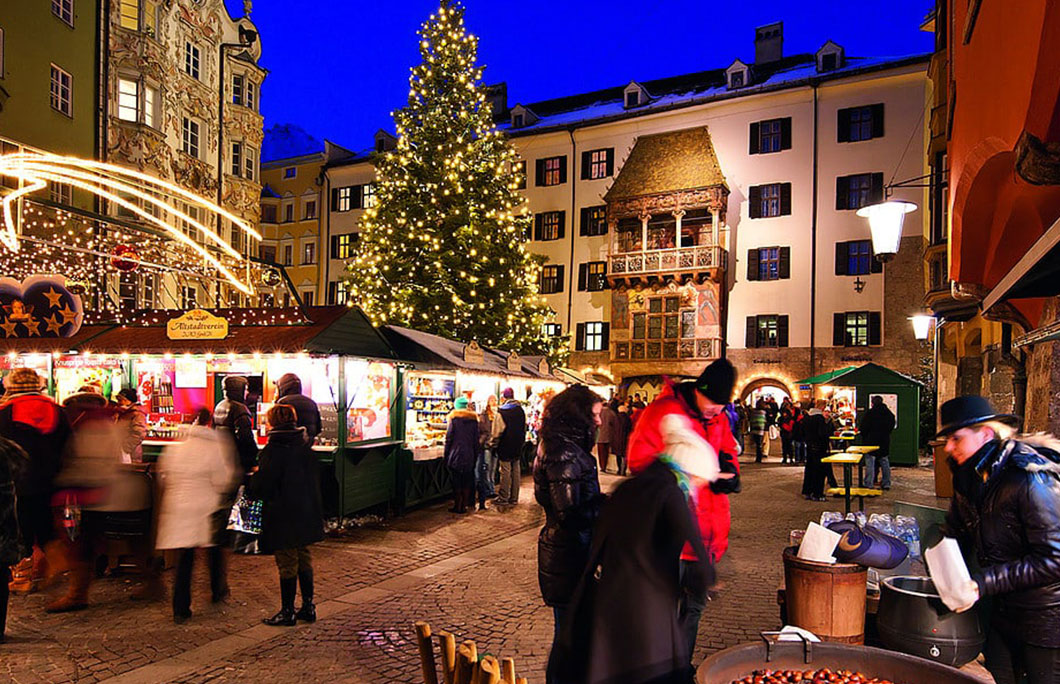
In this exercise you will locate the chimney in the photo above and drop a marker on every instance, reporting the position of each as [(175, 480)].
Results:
[(769, 42), (497, 96)]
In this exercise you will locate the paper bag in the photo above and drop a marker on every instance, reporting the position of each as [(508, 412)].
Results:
[(818, 544), (950, 574)]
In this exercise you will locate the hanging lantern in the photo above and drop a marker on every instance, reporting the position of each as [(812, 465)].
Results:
[(125, 258), (922, 325), (885, 223)]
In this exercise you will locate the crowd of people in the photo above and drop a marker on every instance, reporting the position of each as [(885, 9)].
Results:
[(64, 479)]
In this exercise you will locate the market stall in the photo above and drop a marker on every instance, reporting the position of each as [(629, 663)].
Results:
[(442, 370), (850, 391), (177, 363)]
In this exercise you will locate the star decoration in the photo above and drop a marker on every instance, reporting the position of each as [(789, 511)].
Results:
[(54, 324), (33, 326), (68, 314), (53, 298), (8, 326), (18, 311)]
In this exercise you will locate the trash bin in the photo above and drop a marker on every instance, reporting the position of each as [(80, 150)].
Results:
[(827, 599)]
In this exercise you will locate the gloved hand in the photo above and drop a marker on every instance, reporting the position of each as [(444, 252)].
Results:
[(698, 578), (727, 485)]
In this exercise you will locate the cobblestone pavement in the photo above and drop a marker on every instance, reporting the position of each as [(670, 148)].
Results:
[(474, 575)]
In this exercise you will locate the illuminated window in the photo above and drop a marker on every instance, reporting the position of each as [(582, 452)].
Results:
[(191, 60)]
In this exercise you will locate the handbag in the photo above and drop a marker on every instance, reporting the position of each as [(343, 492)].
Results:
[(774, 432), (246, 514)]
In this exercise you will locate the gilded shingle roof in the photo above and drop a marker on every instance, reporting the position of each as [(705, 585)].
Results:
[(668, 162)]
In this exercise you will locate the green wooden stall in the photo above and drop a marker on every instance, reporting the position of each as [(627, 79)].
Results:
[(899, 391)]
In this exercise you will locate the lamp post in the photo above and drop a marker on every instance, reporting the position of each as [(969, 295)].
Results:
[(885, 224)]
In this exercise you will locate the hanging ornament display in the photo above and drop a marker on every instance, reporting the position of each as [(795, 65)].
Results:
[(125, 258), (40, 306), (270, 277)]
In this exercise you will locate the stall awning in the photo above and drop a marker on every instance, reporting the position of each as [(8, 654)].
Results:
[(439, 353), (49, 345), (824, 377), (1037, 274), (322, 330)]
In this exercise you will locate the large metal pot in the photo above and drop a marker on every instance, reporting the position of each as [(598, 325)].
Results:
[(913, 619), (739, 661)]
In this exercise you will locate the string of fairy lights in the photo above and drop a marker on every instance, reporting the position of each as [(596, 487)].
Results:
[(443, 248)]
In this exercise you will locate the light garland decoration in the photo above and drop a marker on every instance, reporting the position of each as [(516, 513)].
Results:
[(104, 180), (443, 248)]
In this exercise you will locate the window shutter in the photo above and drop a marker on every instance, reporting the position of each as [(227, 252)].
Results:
[(782, 331), (875, 334), (752, 264), (579, 338), (842, 189), (334, 246), (586, 161), (539, 220), (583, 222), (785, 134), (583, 276), (562, 223), (841, 258), (785, 199), (610, 162), (539, 172), (356, 193), (877, 120), (876, 188), (844, 125), (606, 341), (875, 265), (755, 208), (563, 169), (754, 138), (334, 199), (562, 284), (784, 267), (750, 340), (839, 329)]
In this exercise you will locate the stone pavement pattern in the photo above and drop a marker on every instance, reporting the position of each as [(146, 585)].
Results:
[(474, 575)]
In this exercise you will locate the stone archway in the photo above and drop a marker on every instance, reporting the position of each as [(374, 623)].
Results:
[(759, 386)]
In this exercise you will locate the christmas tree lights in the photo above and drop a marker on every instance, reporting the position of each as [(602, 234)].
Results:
[(443, 249)]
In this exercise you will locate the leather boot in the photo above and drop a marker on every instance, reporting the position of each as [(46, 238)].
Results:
[(308, 611), (76, 597), (285, 618), (22, 577)]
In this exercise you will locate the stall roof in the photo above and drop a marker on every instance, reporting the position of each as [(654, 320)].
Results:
[(869, 373), (49, 345), (433, 351), (323, 330)]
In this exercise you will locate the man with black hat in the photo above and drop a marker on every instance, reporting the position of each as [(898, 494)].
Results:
[(703, 400), (1006, 506)]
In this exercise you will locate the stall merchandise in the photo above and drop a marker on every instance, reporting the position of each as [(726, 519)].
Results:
[(429, 398)]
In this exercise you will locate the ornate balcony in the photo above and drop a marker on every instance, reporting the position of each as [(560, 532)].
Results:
[(701, 261)]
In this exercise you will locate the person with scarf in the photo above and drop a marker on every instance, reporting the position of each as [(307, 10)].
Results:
[(1006, 510), (567, 486), (624, 624)]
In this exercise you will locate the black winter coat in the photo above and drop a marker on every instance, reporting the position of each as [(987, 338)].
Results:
[(41, 428), (876, 428), (623, 623), (510, 443), (1012, 521), (13, 461), (817, 432), (462, 440), (289, 389), (288, 482), (233, 416), (567, 486)]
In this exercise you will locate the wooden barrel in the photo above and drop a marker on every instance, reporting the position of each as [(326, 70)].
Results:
[(827, 599)]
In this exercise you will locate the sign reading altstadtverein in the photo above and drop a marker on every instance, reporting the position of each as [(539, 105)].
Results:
[(197, 324)]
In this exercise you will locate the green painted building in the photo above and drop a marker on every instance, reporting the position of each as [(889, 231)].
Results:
[(49, 75)]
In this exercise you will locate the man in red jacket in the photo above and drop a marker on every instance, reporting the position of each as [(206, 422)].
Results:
[(702, 400)]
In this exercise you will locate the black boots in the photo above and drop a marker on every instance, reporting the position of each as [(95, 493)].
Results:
[(308, 612), (460, 501), (286, 616)]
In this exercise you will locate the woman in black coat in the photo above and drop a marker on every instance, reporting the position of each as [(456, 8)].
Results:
[(13, 461), (624, 624), (288, 482), (567, 486), (461, 454)]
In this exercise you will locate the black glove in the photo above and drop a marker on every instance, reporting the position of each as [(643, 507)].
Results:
[(697, 578), (727, 485)]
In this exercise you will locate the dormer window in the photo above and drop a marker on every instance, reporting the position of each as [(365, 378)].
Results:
[(829, 57), (738, 75), (384, 141), (635, 95), (522, 116)]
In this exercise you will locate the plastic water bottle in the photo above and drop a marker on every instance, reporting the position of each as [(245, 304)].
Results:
[(829, 517), (882, 522), (909, 532)]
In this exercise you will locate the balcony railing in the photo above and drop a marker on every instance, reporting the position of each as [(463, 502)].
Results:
[(697, 258)]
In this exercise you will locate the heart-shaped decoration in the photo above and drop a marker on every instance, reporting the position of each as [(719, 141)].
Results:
[(39, 306)]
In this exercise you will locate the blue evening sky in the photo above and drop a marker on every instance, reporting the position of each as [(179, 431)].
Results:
[(337, 68)]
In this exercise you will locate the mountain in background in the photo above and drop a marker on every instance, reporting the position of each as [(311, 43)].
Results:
[(284, 141)]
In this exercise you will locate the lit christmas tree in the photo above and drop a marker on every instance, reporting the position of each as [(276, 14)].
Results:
[(443, 248)]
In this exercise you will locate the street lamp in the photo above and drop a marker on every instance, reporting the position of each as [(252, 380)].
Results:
[(922, 325), (885, 223)]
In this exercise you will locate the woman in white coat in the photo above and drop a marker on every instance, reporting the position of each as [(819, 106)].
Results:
[(195, 476)]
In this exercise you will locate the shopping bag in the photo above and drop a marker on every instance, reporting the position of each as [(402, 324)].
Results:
[(774, 432), (245, 515)]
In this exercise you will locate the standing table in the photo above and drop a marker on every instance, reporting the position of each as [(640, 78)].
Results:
[(848, 459)]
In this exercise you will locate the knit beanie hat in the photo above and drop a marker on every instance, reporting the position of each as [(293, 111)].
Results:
[(717, 381), (23, 380), (460, 403)]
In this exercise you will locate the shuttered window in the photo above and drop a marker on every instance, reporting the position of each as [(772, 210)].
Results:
[(769, 330), (771, 135), (856, 124), (769, 263), (856, 329), (859, 190)]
